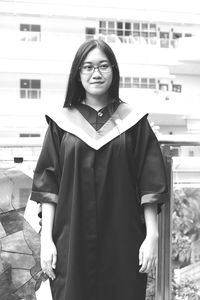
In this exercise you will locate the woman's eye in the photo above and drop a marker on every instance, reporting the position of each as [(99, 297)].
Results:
[(87, 68), (104, 66)]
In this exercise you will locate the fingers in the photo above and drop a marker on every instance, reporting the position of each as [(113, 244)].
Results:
[(47, 268), (148, 264), (146, 261)]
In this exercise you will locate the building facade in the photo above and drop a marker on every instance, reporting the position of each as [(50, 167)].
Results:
[(158, 53), (157, 50)]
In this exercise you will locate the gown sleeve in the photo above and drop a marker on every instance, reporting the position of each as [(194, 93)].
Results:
[(151, 173), (46, 177)]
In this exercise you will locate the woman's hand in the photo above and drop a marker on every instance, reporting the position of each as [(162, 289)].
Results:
[(48, 258), (149, 249), (48, 253), (148, 254)]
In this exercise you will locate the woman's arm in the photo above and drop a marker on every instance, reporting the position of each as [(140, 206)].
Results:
[(48, 254), (149, 248)]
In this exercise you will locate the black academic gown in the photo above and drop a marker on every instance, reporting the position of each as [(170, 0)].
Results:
[(99, 181)]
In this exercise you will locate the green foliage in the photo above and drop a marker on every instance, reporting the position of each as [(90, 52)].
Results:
[(150, 291), (185, 230), (185, 290)]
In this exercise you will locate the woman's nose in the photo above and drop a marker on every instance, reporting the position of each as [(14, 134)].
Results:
[(96, 73)]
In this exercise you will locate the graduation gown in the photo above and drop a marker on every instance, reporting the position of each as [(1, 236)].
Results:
[(99, 180)]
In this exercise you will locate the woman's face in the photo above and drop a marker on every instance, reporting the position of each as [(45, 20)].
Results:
[(96, 73)]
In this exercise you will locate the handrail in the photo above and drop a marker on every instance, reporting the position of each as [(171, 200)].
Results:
[(21, 142), (179, 140)]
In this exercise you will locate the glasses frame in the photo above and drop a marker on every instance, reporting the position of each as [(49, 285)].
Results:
[(96, 68)]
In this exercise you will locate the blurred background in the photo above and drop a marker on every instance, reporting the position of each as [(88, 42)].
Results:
[(157, 45)]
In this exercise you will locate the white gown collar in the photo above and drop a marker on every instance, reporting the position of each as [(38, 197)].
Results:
[(72, 121)]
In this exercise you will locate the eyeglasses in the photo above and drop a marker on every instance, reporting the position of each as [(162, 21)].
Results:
[(89, 68)]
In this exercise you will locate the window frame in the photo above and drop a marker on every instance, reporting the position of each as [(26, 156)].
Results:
[(29, 89), (30, 32)]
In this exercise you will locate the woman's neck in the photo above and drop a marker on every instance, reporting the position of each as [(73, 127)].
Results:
[(97, 102)]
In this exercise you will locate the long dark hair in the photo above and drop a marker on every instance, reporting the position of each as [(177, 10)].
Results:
[(75, 91)]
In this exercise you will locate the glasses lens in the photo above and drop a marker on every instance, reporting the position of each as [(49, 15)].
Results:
[(89, 69), (105, 68)]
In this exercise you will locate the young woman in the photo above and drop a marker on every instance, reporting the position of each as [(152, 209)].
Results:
[(100, 179)]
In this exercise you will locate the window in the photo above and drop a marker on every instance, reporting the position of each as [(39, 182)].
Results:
[(191, 153), (90, 32), (30, 88), (120, 30), (127, 82), (176, 88), (102, 27), (177, 35), (127, 28), (152, 27), (175, 38), (144, 83), (145, 33), (164, 39), (188, 35), (137, 82), (144, 26), (29, 135), (30, 32), (129, 32), (152, 83), (175, 151), (111, 27), (163, 87), (136, 26), (121, 83)]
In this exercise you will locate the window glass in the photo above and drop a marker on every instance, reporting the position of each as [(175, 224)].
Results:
[(119, 25), (176, 88), (188, 34), (24, 27), (153, 27), (163, 87), (136, 82), (129, 32), (128, 25), (152, 83), (35, 84), (144, 83), (144, 26), (29, 135), (127, 83), (24, 83), (136, 26), (35, 28), (164, 39), (30, 32), (30, 88)]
